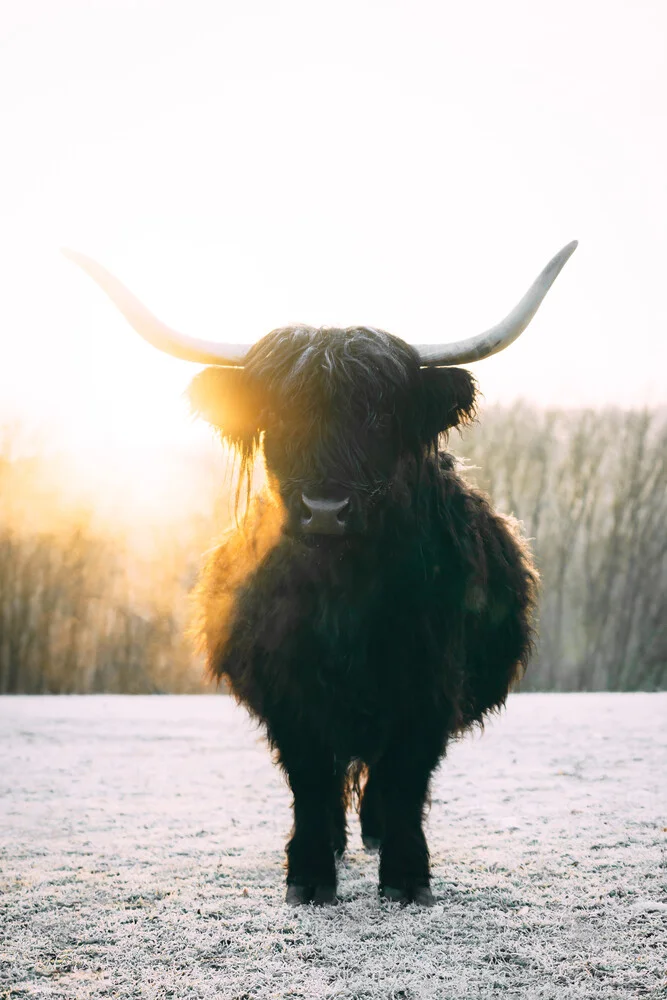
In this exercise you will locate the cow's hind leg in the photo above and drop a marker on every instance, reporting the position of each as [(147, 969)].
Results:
[(319, 821), (371, 816), (338, 810), (403, 776)]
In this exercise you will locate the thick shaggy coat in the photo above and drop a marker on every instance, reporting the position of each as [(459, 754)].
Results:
[(362, 654)]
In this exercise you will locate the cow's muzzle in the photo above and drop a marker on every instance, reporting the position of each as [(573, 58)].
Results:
[(320, 516)]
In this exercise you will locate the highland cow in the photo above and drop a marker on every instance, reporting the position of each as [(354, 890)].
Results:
[(370, 605)]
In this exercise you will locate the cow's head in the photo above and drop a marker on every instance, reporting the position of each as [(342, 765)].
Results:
[(344, 416)]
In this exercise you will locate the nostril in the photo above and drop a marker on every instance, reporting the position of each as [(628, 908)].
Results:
[(320, 516), (344, 512)]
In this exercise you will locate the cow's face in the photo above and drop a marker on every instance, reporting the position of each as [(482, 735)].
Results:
[(345, 417)]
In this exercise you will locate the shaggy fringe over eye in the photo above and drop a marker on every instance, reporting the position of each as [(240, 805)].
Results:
[(357, 362)]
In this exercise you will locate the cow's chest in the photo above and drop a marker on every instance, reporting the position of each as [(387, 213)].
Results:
[(345, 658), (350, 665)]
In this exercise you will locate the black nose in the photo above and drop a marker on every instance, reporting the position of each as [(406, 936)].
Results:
[(324, 517)]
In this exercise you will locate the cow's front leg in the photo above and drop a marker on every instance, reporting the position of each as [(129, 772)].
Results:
[(402, 777), (318, 831)]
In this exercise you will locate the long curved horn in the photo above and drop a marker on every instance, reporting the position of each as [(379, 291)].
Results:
[(498, 337), (152, 329)]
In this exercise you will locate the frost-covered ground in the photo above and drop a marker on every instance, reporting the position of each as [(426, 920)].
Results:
[(141, 849)]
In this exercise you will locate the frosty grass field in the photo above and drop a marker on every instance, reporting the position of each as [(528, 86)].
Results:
[(142, 842)]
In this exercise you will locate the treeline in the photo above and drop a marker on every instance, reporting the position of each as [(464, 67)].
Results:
[(590, 487), (85, 606), (92, 606)]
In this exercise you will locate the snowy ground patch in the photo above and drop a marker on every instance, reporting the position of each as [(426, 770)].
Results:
[(141, 844)]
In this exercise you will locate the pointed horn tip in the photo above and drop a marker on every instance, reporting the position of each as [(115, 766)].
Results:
[(557, 263)]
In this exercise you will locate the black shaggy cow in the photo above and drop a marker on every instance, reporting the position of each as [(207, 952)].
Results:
[(371, 604)]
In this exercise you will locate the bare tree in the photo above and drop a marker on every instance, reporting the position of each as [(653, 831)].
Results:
[(591, 490)]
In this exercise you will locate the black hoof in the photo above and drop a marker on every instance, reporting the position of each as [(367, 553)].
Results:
[(419, 894), (392, 895), (371, 844), (319, 895), (423, 896), (325, 895), (297, 895)]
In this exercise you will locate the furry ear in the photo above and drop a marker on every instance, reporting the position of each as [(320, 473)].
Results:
[(225, 398), (449, 399)]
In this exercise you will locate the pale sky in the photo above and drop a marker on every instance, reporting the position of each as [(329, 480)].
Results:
[(410, 166)]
